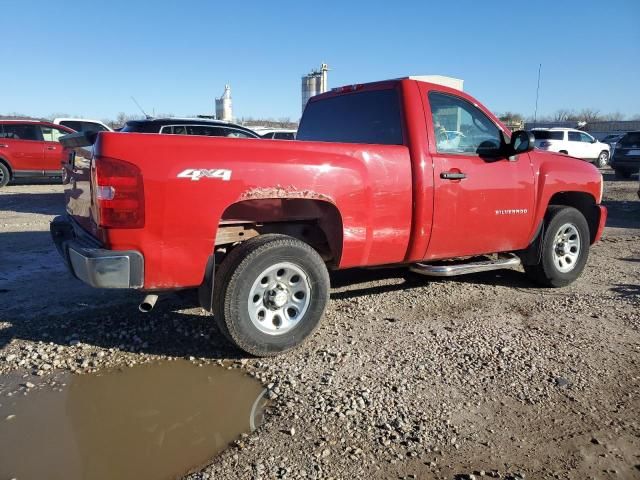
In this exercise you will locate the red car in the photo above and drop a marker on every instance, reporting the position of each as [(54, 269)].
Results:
[(30, 149), (399, 172)]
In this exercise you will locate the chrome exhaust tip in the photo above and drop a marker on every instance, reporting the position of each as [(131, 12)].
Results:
[(148, 303)]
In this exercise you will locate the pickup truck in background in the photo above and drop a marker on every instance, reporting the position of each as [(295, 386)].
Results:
[(399, 172)]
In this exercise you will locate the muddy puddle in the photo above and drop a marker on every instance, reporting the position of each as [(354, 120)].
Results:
[(150, 421)]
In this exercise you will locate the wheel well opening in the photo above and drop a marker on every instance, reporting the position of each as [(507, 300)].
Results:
[(583, 202), (6, 164), (316, 222)]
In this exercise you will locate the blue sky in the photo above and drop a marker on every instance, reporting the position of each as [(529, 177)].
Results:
[(87, 58)]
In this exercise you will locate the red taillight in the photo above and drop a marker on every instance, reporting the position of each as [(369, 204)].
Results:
[(118, 193)]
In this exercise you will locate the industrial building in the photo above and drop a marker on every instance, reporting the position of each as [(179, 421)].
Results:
[(314, 83), (224, 108)]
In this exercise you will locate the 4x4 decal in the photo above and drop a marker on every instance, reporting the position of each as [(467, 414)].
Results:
[(198, 173)]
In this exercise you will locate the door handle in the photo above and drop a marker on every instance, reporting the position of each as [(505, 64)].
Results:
[(51, 148), (453, 175), (4, 145)]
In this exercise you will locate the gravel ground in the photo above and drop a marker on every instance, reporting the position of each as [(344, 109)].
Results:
[(408, 377)]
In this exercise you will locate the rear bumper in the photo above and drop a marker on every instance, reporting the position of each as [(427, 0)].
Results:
[(96, 266), (601, 223)]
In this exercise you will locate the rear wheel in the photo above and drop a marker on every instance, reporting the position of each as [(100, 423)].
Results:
[(620, 173), (603, 159), (271, 294), (5, 176), (565, 248)]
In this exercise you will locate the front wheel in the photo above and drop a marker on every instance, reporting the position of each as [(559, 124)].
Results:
[(565, 248), (603, 159), (271, 292)]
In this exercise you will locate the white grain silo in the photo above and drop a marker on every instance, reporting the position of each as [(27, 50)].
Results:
[(224, 110), (314, 83)]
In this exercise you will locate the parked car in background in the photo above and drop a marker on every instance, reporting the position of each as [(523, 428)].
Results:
[(278, 134), (575, 143), (30, 149), (611, 140), (626, 158), (83, 125), (189, 126)]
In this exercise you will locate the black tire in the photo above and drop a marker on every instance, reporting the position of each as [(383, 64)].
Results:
[(547, 272), (603, 159), (5, 175), (622, 174), (239, 272)]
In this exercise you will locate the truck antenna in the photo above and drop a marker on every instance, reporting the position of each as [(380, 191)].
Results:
[(138, 105), (535, 113)]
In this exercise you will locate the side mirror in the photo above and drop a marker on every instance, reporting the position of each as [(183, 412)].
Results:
[(521, 142), (593, 140)]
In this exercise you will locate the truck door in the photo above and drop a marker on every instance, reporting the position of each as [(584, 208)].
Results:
[(483, 201)]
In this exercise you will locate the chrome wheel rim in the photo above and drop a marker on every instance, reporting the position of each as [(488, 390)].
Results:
[(566, 248), (602, 159), (1, 175), (279, 298)]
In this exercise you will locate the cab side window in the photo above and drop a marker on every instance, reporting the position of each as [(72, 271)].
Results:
[(93, 127), (462, 128), (72, 124)]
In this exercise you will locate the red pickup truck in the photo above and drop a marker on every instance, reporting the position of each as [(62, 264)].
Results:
[(399, 172)]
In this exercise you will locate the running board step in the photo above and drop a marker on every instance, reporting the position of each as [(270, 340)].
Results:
[(503, 261)]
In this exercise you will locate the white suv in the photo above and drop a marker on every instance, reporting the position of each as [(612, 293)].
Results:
[(572, 142)]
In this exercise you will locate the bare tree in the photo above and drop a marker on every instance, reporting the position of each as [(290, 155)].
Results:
[(589, 115), (509, 117), (19, 116), (613, 117), (268, 122), (563, 115), (121, 119)]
